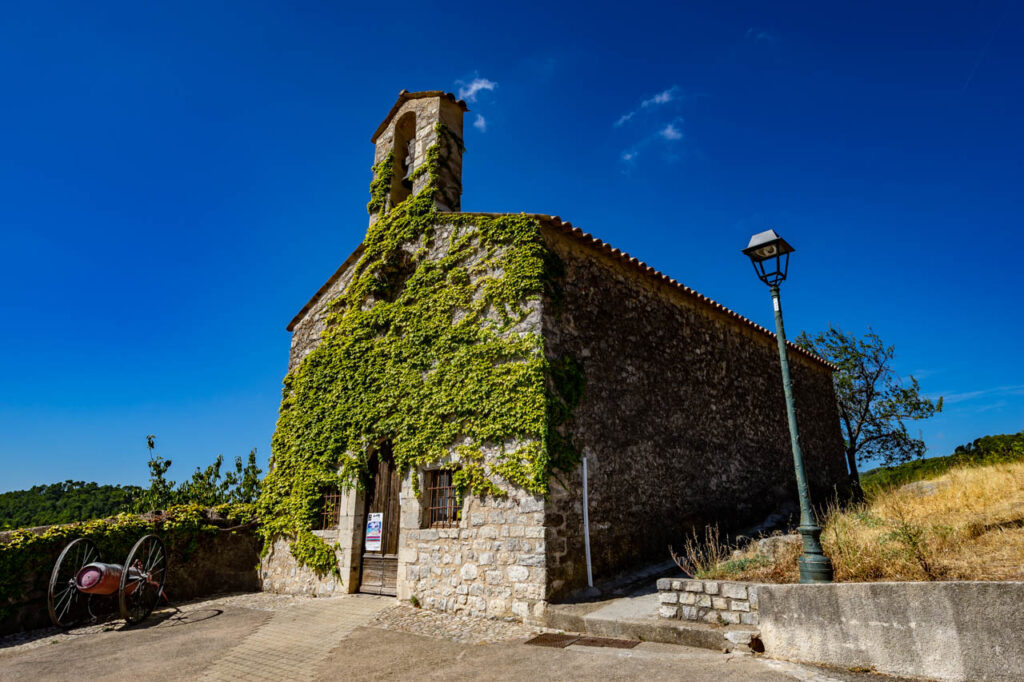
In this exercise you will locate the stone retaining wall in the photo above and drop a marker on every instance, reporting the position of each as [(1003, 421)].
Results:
[(710, 601), (210, 562), (955, 631)]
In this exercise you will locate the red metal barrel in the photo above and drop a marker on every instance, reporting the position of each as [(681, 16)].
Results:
[(97, 578)]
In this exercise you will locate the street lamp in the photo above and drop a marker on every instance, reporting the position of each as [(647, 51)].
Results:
[(770, 255)]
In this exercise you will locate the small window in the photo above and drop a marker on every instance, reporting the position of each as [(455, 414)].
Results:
[(330, 503), (441, 508)]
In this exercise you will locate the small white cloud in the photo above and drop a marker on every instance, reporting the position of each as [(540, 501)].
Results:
[(480, 123), (468, 91), (628, 156), (670, 132), (663, 97)]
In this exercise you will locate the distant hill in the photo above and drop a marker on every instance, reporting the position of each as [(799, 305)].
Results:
[(1007, 447), (64, 502)]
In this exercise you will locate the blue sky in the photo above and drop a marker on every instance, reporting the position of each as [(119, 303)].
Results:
[(177, 179)]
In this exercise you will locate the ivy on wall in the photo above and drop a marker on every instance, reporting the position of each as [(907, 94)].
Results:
[(421, 351)]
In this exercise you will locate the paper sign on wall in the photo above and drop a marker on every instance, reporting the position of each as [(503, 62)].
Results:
[(374, 531)]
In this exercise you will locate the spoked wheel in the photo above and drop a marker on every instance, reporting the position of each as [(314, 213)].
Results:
[(69, 607), (142, 580)]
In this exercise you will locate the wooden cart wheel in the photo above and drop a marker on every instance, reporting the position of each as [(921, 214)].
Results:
[(142, 579), (67, 606)]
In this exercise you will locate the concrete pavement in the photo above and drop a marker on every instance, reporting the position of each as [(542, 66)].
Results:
[(263, 637)]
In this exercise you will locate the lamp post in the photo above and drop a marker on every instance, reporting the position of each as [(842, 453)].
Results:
[(770, 255)]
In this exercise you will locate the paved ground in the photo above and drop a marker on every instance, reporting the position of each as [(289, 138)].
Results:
[(268, 637)]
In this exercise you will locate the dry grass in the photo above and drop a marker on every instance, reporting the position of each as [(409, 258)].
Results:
[(701, 555), (965, 525)]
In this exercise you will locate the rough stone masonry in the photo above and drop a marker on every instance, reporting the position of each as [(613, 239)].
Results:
[(682, 422)]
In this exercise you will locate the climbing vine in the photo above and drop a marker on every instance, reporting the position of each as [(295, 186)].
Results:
[(422, 351), (380, 186)]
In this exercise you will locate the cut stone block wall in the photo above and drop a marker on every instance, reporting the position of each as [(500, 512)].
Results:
[(280, 572), (710, 601), (491, 565)]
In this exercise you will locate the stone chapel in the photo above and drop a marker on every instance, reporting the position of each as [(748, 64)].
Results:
[(678, 413)]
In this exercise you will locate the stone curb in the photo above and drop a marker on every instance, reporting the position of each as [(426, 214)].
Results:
[(732, 639)]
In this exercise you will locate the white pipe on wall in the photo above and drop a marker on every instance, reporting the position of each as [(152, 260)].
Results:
[(586, 525)]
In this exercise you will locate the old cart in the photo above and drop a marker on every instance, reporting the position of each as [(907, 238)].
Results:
[(80, 576)]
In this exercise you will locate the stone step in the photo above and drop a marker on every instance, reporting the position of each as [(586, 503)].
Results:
[(572, 618)]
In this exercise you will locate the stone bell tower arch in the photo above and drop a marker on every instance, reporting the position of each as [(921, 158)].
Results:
[(408, 132)]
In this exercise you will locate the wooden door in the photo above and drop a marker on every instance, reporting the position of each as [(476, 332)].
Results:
[(379, 573)]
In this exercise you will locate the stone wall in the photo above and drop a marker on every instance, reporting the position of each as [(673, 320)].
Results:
[(710, 601), (311, 321), (491, 565), (682, 421), (281, 573), (215, 563)]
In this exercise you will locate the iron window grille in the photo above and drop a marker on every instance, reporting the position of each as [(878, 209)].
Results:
[(331, 515), (442, 509)]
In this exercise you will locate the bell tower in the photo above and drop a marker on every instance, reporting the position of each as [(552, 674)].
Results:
[(409, 130)]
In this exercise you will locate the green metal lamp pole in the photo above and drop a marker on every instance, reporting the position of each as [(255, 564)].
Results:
[(764, 248), (815, 567)]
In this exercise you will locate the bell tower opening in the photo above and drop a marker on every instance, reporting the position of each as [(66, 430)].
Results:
[(405, 158)]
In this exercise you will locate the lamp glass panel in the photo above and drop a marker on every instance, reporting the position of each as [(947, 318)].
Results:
[(767, 251)]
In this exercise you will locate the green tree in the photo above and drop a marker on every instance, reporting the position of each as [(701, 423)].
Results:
[(246, 484), (874, 402), (160, 494), (43, 505), (208, 487)]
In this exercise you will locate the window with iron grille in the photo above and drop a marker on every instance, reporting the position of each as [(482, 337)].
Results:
[(330, 503), (442, 510)]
